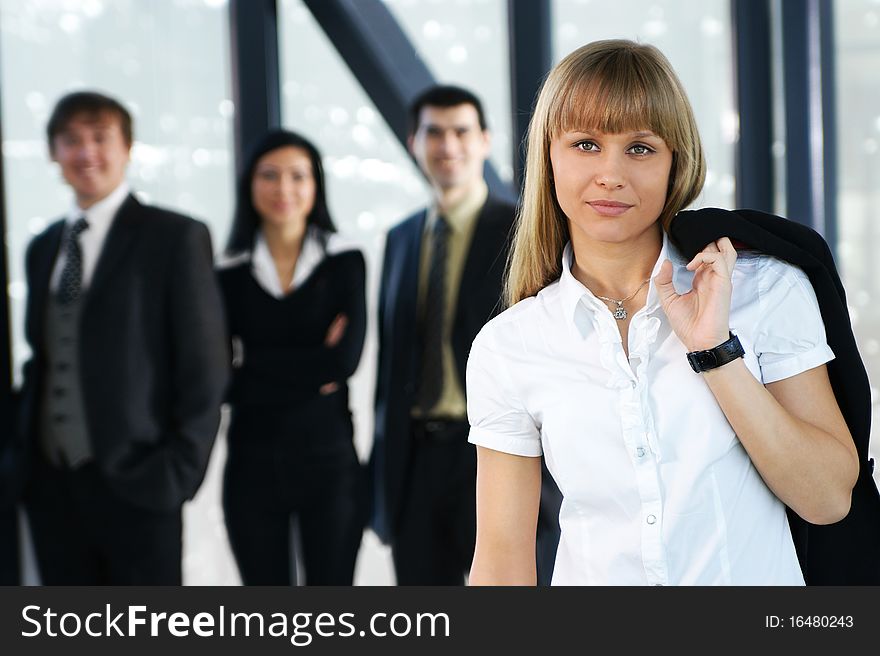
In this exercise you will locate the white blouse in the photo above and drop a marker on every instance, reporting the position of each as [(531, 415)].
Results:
[(657, 488)]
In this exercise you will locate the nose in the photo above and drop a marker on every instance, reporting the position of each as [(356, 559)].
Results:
[(610, 174), (449, 142), (86, 151)]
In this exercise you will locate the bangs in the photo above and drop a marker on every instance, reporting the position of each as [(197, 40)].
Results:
[(622, 93)]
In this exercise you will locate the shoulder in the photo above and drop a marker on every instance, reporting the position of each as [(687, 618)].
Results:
[(160, 220), (406, 226), (337, 245), (767, 271), (497, 206), (233, 267), (514, 328), (52, 231)]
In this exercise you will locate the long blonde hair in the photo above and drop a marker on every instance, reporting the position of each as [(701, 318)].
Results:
[(611, 86)]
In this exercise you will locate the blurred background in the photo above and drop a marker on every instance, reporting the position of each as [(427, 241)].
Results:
[(786, 93)]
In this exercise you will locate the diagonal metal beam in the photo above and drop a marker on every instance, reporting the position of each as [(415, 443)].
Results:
[(384, 61)]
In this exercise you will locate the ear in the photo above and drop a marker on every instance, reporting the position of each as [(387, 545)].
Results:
[(410, 140), (487, 140)]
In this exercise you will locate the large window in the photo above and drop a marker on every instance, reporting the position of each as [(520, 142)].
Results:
[(467, 46), (857, 55), (168, 63)]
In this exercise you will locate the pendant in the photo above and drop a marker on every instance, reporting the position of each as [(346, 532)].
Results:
[(619, 312)]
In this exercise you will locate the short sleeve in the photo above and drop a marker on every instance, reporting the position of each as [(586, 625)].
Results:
[(498, 419), (790, 336)]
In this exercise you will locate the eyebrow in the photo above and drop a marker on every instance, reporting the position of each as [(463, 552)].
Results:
[(632, 135)]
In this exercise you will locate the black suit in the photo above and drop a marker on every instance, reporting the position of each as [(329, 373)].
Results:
[(400, 465), (153, 370), (847, 552)]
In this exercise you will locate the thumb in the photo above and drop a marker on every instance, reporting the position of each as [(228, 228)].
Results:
[(663, 283)]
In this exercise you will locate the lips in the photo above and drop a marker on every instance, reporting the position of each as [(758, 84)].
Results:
[(608, 207)]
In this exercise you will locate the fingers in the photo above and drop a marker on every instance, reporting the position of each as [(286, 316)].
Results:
[(328, 388), (719, 255), (663, 281)]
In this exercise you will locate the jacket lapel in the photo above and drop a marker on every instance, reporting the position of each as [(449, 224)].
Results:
[(117, 244), (42, 274)]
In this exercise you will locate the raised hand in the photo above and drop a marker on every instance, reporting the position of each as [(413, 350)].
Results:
[(700, 317)]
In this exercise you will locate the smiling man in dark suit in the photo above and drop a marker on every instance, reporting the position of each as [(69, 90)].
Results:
[(441, 281), (121, 399)]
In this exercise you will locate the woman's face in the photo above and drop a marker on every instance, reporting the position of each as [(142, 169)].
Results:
[(612, 187), (283, 187)]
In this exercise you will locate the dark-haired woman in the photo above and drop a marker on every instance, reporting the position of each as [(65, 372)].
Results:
[(296, 312)]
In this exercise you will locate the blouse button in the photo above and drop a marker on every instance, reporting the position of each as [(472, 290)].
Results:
[(640, 452), (651, 519)]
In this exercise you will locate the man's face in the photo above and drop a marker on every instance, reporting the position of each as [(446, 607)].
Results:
[(449, 145), (93, 155)]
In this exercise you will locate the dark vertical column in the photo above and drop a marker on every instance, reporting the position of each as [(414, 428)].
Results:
[(531, 56), (5, 332), (810, 141), (755, 184), (253, 27)]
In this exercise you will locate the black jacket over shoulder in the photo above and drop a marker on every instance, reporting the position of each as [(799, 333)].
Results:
[(848, 552), (152, 353), (479, 299)]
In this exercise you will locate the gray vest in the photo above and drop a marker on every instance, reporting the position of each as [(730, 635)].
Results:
[(64, 433)]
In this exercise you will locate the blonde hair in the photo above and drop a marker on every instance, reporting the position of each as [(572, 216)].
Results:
[(611, 86)]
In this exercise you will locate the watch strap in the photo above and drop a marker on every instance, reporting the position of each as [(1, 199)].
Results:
[(728, 351)]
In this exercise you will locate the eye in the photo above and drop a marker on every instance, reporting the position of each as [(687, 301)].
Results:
[(268, 175), (640, 149), (587, 146)]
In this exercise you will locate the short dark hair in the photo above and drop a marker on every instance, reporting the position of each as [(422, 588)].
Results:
[(91, 103), (443, 95), (246, 220)]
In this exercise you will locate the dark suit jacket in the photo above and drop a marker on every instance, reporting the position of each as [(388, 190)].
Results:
[(479, 299), (152, 349), (848, 552)]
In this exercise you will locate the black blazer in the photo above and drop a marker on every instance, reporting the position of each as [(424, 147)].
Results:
[(479, 299), (848, 552), (152, 350)]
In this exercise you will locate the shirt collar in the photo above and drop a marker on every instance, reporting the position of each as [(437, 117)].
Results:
[(100, 215), (263, 266), (574, 293), (465, 211)]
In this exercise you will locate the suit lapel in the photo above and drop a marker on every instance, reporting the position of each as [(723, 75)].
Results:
[(42, 274), (117, 244), (486, 246), (409, 283)]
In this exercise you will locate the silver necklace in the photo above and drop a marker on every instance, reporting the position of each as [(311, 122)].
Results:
[(619, 311)]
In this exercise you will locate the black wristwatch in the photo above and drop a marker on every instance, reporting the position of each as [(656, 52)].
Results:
[(729, 351)]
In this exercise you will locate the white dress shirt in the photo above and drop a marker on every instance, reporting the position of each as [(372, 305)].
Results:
[(91, 241), (657, 488), (311, 255)]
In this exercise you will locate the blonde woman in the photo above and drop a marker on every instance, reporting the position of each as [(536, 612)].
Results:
[(680, 405)]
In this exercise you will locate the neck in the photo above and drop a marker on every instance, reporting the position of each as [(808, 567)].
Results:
[(616, 270), (284, 242), (449, 197)]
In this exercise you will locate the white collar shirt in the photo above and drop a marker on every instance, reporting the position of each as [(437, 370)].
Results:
[(91, 241), (316, 246), (657, 489)]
